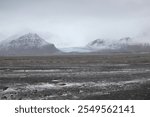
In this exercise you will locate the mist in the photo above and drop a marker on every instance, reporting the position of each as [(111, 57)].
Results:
[(69, 23)]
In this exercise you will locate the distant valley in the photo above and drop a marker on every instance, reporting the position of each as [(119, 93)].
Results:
[(31, 44)]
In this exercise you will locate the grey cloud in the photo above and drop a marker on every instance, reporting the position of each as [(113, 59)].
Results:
[(75, 22)]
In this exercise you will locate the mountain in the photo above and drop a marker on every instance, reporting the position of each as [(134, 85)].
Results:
[(100, 45), (30, 44), (125, 44), (109, 44), (97, 44)]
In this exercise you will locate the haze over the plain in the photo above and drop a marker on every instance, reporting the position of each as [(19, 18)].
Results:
[(69, 23)]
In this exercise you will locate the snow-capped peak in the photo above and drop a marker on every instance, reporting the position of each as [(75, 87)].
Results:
[(30, 44), (109, 44), (96, 43), (30, 39), (26, 41)]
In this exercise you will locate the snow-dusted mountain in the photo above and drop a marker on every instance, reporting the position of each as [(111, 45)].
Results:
[(96, 43), (27, 45), (125, 44), (100, 44)]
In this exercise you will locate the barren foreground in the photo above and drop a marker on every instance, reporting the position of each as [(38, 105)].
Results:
[(118, 76)]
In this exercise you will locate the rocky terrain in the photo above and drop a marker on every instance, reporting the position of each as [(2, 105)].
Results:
[(118, 76)]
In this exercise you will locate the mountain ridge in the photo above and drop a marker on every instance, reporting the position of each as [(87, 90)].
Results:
[(126, 44), (27, 45)]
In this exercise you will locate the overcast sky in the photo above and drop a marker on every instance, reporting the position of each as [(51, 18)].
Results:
[(76, 22)]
